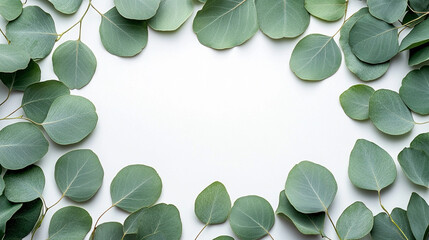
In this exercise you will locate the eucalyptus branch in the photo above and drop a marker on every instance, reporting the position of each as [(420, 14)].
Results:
[(78, 22), (98, 219), (390, 216), (7, 98), (414, 20), (20, 117), (344, 21), (201, 231), (4, 35), (333, 224)]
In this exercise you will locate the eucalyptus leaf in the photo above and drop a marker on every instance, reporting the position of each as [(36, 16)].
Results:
[(24, 220), (74, 64), (389, 113), (109, 231), (171, 15), (24, 185), (224, 238), (315, 57), (387, 10), (223, 24), (328, 10), (373, 41), (370, 166), (66, 6), (384, 229), (355, 222), (135, 187), (308, 224), (2, 185), (355, 101), (70, 119), (415, 165), (419, 55), (421, 142), (21, 144), (79, 174), (121, 36), (160, 222), (419, 5), (34, 31), (12, 58), (39, 97), (364, 71), (10, 9), (7, 210), (418, 36), (411, 19), (282, 18), (310, 188), (213, 204), (415, 90), (252, 217), (21, 79), (131, 223), (418, 215), (137, 9), (71, 223)]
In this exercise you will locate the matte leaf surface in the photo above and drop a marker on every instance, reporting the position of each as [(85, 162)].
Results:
[(328, 10), (415, 90), (12, 58), (418, 215), (160, 222), (419, 55), (419, 5), (21, 79), (213, 204), (355, 101), (224, 238), (419, 35), (355, 222), (421, 142), (171, 15), (137, 9), (7, 210), (10, 9), (24, 185), (109, 231), (24, 220), (384, 229), (71, 223), (387, 10), (66, 6), (415, 165)]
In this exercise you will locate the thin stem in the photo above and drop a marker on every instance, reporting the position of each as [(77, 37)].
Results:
[(201, 231), (7, 98), (326, 237), (39, 222), (14, 111), (416, 19), (333, 224), (20, 117), (388, 214), (78, 22), (53, 205), (421, 123), (4, 35), (96, 223), (269, 234), (345, 19), (97, 10)]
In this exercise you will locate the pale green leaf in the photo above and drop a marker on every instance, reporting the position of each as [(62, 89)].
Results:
[(355, 101), (12, 58), (171, 15), (21, 79), (160, 222), (355, 222), (415, 165), (384, 229), (70, 223), (213, 204), (418, 215), (387, 10), (66, 6), (137, 9), (417, 37), (419, 5), (109, 231), (328, 10), (10, 9), (24, 185), (421, 142), (414, 90)]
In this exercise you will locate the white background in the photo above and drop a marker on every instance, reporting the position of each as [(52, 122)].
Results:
[(238, 116)]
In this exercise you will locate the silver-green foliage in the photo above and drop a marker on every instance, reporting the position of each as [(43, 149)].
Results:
[(213, 204)]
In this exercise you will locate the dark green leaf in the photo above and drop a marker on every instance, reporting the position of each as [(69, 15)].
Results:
[(421, 142), (417, 37), (418, 215), (109, 231), (7, 210), (21, 79), (24, 220), (160, 222), (415, 90), (415, 165), (355, 222), (384, 229), (419, 5), (24, 185), (419, 55), (71, 223)]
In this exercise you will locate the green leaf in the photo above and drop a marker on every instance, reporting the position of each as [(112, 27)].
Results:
[(411, 19), (135, 187), (33, 31), (24, 185), (384, 229), (308, 224), (355, 101), (315, 57), (213, 204), (328, 10), (387, 10), (24, 220), (370, 166), (10, 9), (355, 222), (373, 41), (109, 231), (414, 90), (171, 15), (421, 142), (122, 37), (418, 215), (79, 174), (224, 238), (389, 113), (12, 58), (21, 79), (74, 64), (70, 119), (419, 55), (364, 71), (419, 5), (282, 18), (39, 97), (71, 223), (66, 6), (310, 187), (7, 210), (21, 144), (415, 165), (2, 185), (137, 9), (252, 218), (223, 24), (160, 222), (417, 37), (131, 223)]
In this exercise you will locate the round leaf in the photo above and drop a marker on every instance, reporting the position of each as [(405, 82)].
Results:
[(251, 218), (171, 15), (70, 119), (213, 204), (373, 41), (160, 222), (10, 9), (315, 57), (421, 142), (384, 229), (137, 9), (224, 238), (134, 187), (79, 174), (74, 64), (109, 231), (328, 10), (24, 185), (7, 210), (72, 223), (21, 79), (34, 31), (419, 55), (419, 5), (39, 97), (66, 6), (12, 58), (222, 24), (122, 37), (24, 220), (282, 18), (364, 71), (418, 212), (21, 144), (415, 90), (355, 222), (415, 165), (418, 36), (355, 101), (387, 10), (389, 113), (370, 166), (310, 188)]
